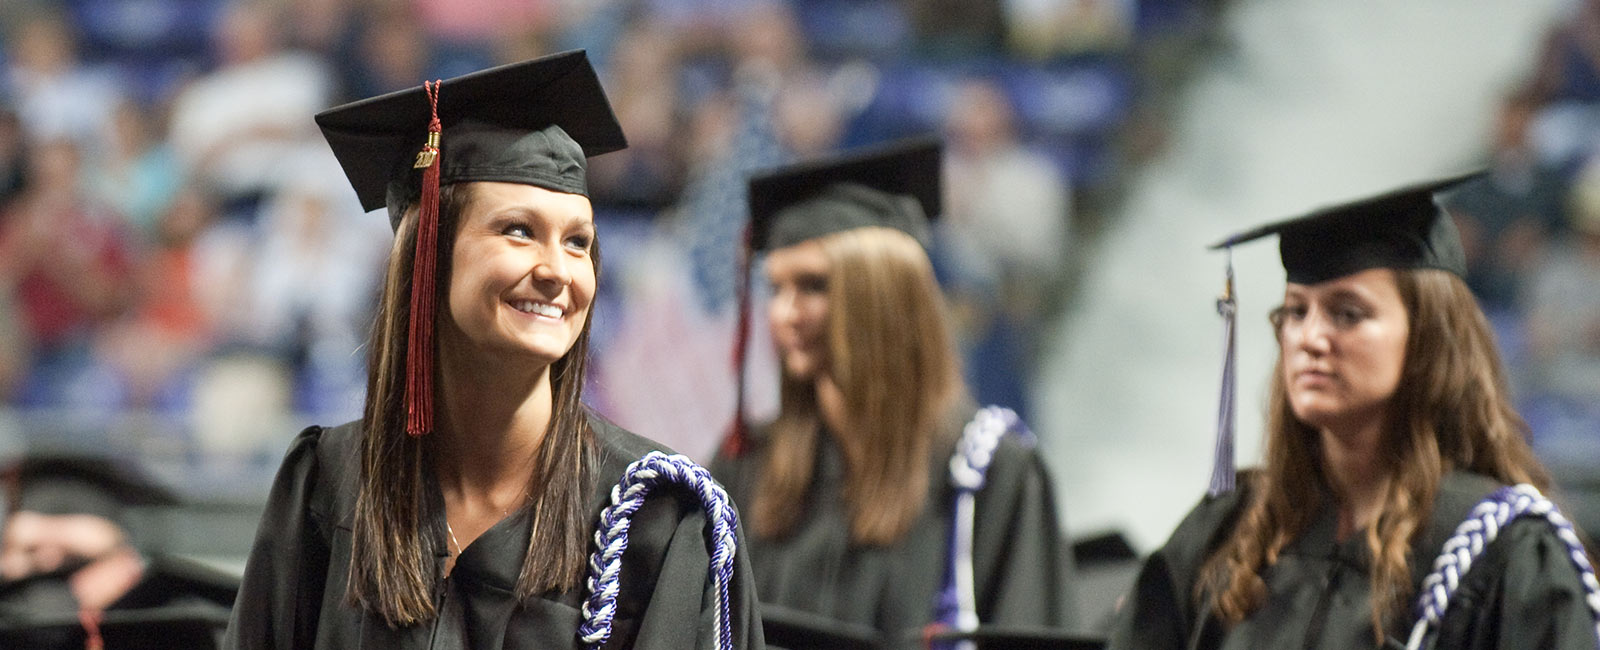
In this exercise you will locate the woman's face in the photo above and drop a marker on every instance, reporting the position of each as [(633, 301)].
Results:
[(1343, 344), (798, 311), (522, 278)]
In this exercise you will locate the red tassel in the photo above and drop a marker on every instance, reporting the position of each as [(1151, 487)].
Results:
[(90, 620), (737, 440), (419, 345)]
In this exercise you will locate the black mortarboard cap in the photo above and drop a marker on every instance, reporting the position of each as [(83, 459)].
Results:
[(177, 603), (1400, 229), (791, 629), (193, 627), (532, 122), (1001, 637), (894, 185), (82, 485)]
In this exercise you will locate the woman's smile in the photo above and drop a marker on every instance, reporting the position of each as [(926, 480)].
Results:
[(541, 309)]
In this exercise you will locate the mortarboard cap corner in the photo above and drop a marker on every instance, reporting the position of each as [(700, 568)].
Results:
[(60, 485), (1011, 637), (896, 184), (785, 628)]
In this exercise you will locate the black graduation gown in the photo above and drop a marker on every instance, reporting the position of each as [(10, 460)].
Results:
[(293, 593), (1521, 593), (1019, 569)]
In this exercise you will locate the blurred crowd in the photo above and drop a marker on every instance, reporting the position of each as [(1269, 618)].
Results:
[(1532, 232), (176, 241), (175, 238)]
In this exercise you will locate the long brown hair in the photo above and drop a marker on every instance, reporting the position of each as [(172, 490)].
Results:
[(1451, 411), (891, 355), (392, 565)]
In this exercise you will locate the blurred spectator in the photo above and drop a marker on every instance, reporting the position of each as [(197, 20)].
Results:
[(1009, 204), (485, 22), (1007, 233), (137, 176), (390, 52), (731, 135), (321, 26), (15, 349), (63, 260), (767, 34), (315, 277), (1565, 88), (953, 29), (693, 20), (56, 95), (771, 66), (1564, 305), (643, 76), (1045, 29), (809, 115), (1506, 217), (511, 46), (238, 128), (167, 331), (13, 156)]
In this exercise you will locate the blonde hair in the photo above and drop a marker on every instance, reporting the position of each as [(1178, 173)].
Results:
[(1450, 412), (893, 360)]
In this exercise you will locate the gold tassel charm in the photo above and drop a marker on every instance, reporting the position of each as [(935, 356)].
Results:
[(429, 151)]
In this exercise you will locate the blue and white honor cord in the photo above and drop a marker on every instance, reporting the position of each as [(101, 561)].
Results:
[(611, 541), (1481, 527), (969, 467)]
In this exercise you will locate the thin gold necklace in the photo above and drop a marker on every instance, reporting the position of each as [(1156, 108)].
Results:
[(503, 513), (453, 541)]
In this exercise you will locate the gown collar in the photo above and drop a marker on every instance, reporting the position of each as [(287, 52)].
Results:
[(483, 560)]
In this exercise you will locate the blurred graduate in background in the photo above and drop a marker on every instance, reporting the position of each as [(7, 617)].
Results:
[(77, 569), (882, 498)]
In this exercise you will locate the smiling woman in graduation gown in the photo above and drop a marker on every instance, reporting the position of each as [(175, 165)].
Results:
[(1388, 422), (460, 511), (847, 494), (294, 590)]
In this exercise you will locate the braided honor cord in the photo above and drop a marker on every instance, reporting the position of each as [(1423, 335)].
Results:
[(611, 540), (1477, 532), (969, 467)]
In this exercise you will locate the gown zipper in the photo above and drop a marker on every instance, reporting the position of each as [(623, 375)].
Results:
[(438, 608)]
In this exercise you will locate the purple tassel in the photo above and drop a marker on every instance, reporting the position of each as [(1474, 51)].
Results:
[(1222, 469)]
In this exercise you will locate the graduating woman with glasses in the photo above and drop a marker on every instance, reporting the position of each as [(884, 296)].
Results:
[(1388, 422)]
